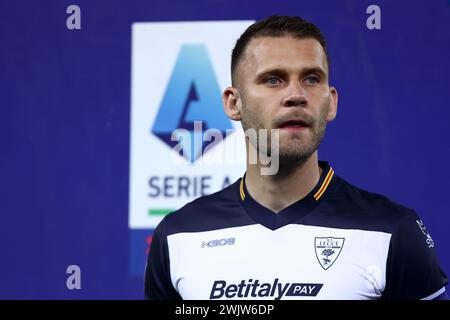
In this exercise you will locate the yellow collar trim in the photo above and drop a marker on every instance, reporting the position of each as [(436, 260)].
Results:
[(317, 195), (241, 189), (325, 184)]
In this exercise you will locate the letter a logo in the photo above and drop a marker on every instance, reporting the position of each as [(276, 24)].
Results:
[(192, 94)]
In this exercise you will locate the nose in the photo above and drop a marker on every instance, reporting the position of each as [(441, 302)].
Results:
[(295, 95)]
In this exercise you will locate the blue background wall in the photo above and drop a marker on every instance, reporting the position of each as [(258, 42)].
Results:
[(65, 114)]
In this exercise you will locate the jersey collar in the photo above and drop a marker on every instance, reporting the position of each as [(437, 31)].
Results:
[(294, 212)]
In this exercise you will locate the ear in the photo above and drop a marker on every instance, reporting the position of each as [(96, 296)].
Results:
[(232, 103), (332, 109)]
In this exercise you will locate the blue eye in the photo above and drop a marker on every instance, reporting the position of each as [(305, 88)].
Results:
[(272, 81), (313, 80)]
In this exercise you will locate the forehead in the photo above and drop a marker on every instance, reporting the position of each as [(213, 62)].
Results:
[(282, 52)]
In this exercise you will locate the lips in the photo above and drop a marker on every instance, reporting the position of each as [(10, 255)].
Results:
[(295, 123)]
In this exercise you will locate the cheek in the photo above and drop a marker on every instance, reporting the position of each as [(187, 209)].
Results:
[(322, 100), (265, 115), (257, 108), (254, 117), (267, 101), (320, 96)]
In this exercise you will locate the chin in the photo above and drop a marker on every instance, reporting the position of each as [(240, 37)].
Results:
[(295, 151), (290, 155)]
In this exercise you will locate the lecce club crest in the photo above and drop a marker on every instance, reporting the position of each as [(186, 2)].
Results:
[(328, 250)]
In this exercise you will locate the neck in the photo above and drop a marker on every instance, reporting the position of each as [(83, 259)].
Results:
[(289, 185)]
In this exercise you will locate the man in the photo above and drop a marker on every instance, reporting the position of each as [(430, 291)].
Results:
[(302, 232)]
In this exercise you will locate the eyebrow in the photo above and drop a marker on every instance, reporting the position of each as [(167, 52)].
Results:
[(283, 72)]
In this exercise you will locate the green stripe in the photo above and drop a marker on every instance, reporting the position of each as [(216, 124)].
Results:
[(159, 212)]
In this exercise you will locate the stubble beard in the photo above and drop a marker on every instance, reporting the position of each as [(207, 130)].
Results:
[(294, 153)]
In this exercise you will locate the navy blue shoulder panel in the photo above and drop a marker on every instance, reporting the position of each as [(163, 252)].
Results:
[(349, 207)]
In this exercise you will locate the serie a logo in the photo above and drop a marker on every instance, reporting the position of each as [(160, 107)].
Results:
[(192, 95)]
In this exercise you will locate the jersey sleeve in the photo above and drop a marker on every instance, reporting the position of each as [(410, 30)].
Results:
[(413, 269), (158, 284)]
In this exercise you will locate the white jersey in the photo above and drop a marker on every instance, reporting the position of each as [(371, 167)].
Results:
[(339, 242)]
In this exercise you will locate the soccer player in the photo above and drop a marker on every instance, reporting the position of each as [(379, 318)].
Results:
[(302, 232)]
